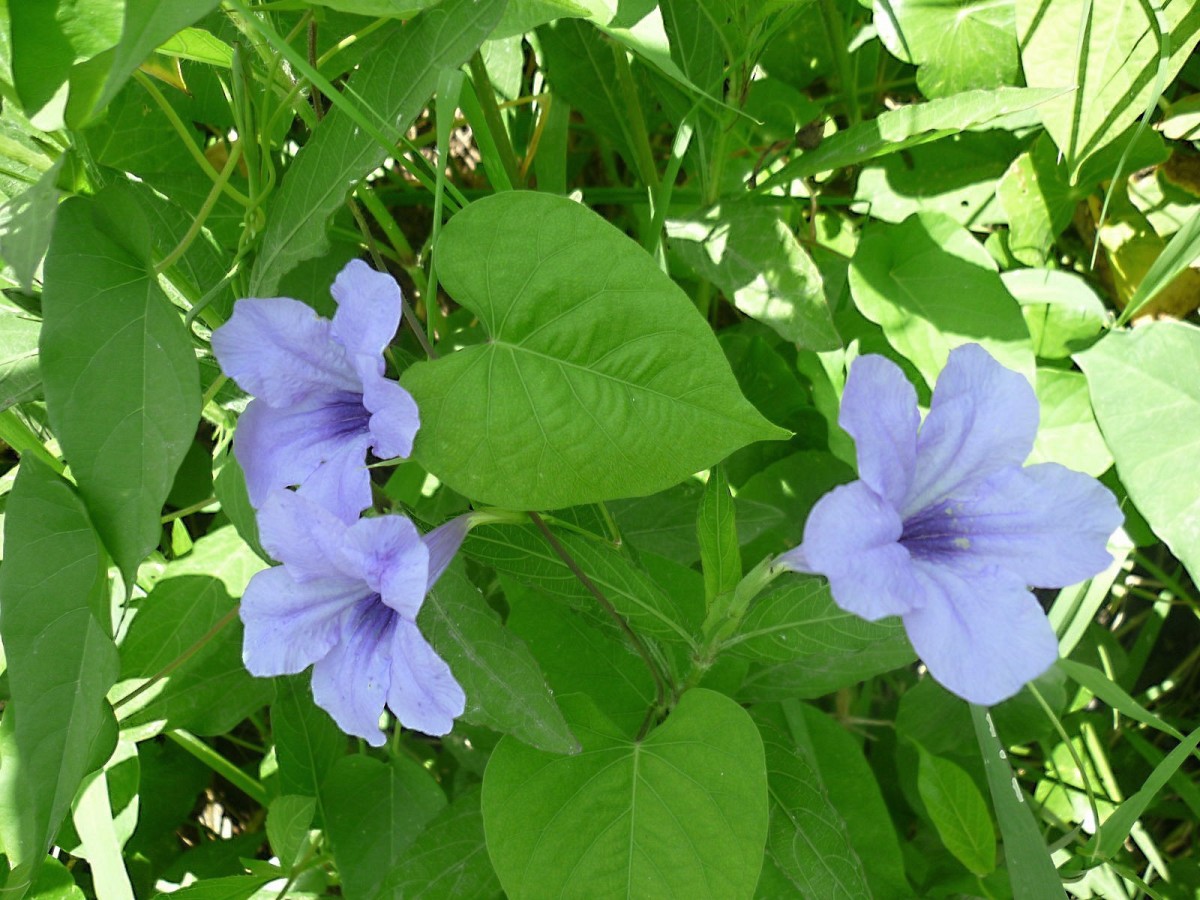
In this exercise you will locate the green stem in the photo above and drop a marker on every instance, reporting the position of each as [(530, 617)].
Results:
[(219, 764), (205, 208), (178, 661), (639, 138), (1069, 744), (486, 95), (835, 32)]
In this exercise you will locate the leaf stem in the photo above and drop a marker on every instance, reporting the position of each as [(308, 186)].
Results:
[(660, 685), (219, 764), (486, 95), (205, 208)]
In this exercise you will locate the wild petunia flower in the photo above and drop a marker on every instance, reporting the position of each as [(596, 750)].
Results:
[(946, 529), (320, 398), (345, 601)]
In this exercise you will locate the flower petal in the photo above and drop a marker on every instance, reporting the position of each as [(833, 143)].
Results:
[(394, 416), (443, 542), (302, 535), (423, 694), (351, 682), (983, 418), (851, 538), (281, 351), (283, 447), (368, 312), (879, 410), (292, 624), (981, 633), (1045, 523), (342, 482), (387, 553)]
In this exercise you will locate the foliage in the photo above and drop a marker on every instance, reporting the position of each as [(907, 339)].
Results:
[(641, 244)]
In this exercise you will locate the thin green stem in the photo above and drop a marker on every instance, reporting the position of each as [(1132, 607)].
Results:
[(179, 660), (486, 95), (836, 33), (184, 135), (187, 510), (205, 208), (1070, 745), (639, 138), (660, 685), (219, 764)]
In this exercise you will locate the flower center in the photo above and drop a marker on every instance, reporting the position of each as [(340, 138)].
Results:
[(347, 414), (936, 532)]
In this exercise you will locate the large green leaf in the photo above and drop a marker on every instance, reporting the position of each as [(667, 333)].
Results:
[(26, 224), (808, 839), (716, 531), (1111, 55), (1067, 430), (958, 811), (373, 813), (504, 687), (121, 382), (307, 742), (392, 88), (751, 254), (1145, 387), (958, 44), (599, 378), (681, 813), (931, 287), (49, 37), (56, 628)]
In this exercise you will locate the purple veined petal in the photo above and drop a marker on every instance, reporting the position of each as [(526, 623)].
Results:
[(342, 482), (851, 538), (394, 416), (443, 542), (282, 352), (302, 535), (368, 312), (279, 448), (879, 410), (387, 553), (1045, 523), (351, 682), (292, 624), (983, 418), (424, 694), (980, 633)]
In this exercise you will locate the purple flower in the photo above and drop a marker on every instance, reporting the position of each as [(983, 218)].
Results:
[(946, 529), (345, 601), (321, 400)]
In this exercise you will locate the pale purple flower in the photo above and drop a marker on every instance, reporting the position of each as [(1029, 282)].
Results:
[(345, 601), (946, 529), (320, 398)]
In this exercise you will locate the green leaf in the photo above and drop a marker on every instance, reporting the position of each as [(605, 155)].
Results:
[(28, 221), (288, 819), (48, 38), (233, 887), (521, 16), (932, 287), (716, 530), (20, 377), (1061, 310), (959, 45), (122, 386), (396, 9), (1138, 380), (909, 126), (183, 655), (54, 882), (958, 812), (1067, 431), (807, 646), (753, 256), (373, 813), (599, 378), (307, 742), (525, 554), (1030, 867), (448, 859), (807, 839), (1182, 250), (95, 823), (1109, 55), (504, 686), (582, 653), (147, 24), (681, 813), (56, 629), (392, 87), (1115, 696)]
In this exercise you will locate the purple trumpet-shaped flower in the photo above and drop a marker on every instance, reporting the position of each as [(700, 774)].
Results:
[(946, 529), (345, 601), (321, 400)]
